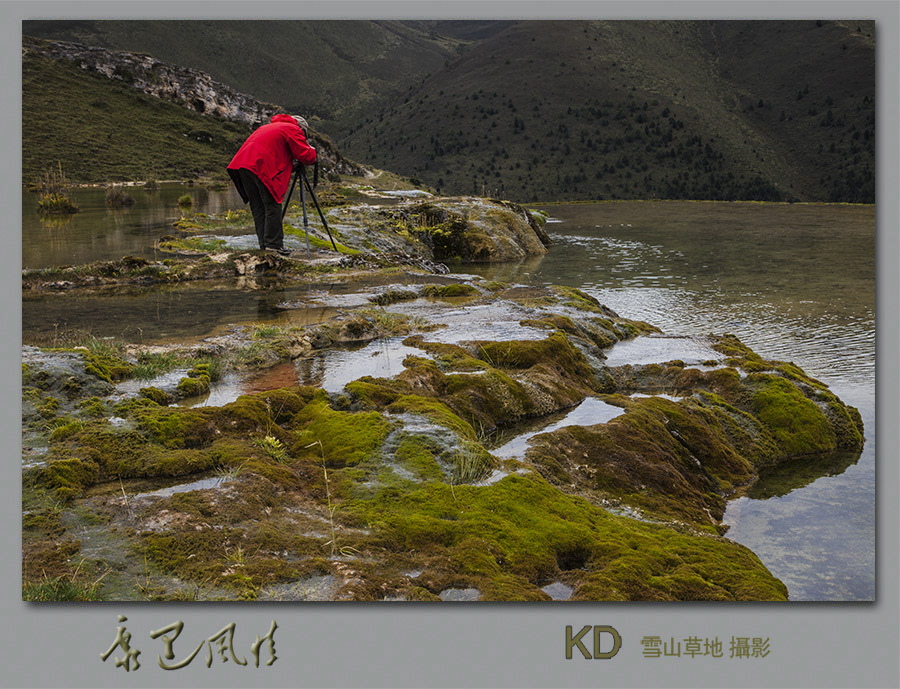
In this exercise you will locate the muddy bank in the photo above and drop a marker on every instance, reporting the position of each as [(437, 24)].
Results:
[(384, 484)]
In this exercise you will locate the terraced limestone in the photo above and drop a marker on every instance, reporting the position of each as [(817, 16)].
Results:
[(386, 488)]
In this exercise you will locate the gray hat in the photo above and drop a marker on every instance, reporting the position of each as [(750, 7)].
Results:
[(302, 122)]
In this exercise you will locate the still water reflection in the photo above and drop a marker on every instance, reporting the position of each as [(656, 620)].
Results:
[(98, 233)]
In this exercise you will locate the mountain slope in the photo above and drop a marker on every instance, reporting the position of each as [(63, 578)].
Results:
[(556, 110), (102, 130), (328, 69), (549, 110)]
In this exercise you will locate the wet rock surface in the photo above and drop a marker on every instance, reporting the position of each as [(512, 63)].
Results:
[(295, 492)]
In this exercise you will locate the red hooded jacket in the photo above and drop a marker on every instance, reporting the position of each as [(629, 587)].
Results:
[(269, 153)]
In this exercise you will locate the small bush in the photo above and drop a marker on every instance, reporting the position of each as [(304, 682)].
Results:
[(185, 201), (117, 197), (53, 187), (56, 203), (471, 463)]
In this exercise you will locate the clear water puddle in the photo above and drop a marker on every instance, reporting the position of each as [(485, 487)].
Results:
[(660, 349), (200, 484), (664, 395), (334, 368), (98, 233), (590, 412), (492, 321), (330, 369), (166, 382)]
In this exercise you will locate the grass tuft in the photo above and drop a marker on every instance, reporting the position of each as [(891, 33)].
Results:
[(273, 447)]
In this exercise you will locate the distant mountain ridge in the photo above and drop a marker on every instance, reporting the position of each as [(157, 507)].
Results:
[(586, 110), (559, 110)]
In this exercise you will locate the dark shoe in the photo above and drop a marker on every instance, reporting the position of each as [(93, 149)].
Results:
[(281, 251)]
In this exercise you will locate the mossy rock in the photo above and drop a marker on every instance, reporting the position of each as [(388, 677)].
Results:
[(67, 478), (507, 538), (107, 368), (156, 395), (193, 386), (450, 291), (341, 438), (799, 426)]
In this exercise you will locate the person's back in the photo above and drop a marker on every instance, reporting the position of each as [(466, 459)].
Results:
[(261, 172)]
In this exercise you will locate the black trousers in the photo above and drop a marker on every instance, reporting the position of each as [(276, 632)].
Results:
[(265, 209)]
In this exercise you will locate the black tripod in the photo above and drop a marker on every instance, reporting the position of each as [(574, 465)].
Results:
[(300, 171)]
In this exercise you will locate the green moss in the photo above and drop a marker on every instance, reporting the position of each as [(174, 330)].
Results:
[(552, 322), (156, 395), (43, 523), (108, 368), (577, 299), (417, 455), (798, 424), (374, 393), (93, 407), (193, 386), (49, 407), (522, 354), (66, 430), (488, 399), (198, 555), (320, 243), (449, 291), (506, 538), (449, 356), (417, 593), (670, 460), (345, 438), (197, 381), (67, 478), (444, 230), (392, 296), (496, 286)]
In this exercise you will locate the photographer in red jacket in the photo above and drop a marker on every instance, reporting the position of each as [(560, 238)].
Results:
[(261, 171)]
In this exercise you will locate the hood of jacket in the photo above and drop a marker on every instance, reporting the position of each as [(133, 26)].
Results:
[(284, 118)]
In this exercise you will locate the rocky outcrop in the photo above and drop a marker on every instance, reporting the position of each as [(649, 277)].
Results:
[(190, 87), (466, 229)]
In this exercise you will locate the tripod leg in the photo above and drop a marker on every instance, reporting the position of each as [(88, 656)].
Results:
[(288, 199), (305, 219), (321, 214)]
